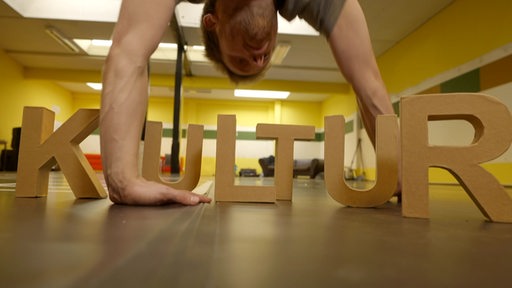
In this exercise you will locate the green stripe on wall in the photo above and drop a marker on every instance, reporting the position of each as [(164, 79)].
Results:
[(468, 82), (167, 133), (349, 126), (245, 135), (488, 76), (210, 134), (396, 107), (241, 135), (207, 134)]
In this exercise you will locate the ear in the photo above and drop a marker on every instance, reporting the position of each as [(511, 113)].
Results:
[(209, 21)]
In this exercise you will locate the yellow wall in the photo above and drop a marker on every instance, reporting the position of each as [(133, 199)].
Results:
[(160, 109), (16, 92), (204, 112), (462, 32), (340, 104), (86, 101), (248, 113), (301, 113)]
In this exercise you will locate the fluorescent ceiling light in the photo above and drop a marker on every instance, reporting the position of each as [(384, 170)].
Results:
[(168, 45), (62, 39), (266, 94), (198, 47), (101, 43), (165, 51), (77, 10), (280, 53), (95, 86), (295, 27), (187, 14)]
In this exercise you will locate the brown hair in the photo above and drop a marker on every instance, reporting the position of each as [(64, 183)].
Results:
[(213, 53)]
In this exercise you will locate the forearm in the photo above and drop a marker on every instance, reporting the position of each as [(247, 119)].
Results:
[(352, 49), (125, 87), (373, 100), (351, 46), (124, 102)]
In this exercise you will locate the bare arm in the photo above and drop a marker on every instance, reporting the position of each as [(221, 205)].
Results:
[(351, 46), (124, 100)]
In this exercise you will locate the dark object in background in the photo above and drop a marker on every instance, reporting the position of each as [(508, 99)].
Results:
[(9, 158), (248, 172)]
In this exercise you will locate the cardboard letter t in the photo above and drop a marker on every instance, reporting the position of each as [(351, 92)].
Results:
[(225, 188), (285, 136)]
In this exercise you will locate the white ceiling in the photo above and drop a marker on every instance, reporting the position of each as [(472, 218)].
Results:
[(309, 59)]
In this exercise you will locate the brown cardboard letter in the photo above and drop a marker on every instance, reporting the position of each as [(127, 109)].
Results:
[(152, 145), (285, 136), (387, 163), (492, 122), (225, 189), (40, 150)]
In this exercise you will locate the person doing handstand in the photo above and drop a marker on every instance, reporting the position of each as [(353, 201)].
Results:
[(239, 39)]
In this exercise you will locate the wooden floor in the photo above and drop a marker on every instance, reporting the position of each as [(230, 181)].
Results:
[(59, 241)]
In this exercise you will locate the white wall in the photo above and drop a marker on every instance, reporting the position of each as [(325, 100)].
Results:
[(461, 133)]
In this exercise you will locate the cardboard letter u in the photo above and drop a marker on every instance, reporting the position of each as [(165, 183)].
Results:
[(387, 163)]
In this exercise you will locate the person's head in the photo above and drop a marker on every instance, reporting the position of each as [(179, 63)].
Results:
[(239, 36)]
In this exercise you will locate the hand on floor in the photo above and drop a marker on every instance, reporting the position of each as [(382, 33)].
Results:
[(143, 192)]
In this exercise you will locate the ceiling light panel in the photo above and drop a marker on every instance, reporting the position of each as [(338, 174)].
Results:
[(62, 39), (165, 51), (187, 14), (95, 86), (265, 94), (280, 53), (81, 10)]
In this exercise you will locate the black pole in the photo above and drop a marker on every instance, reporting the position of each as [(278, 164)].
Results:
[(175, 148), (143, 133)]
